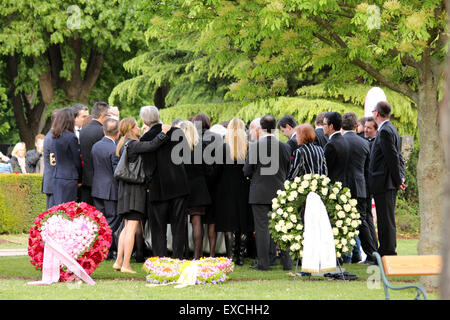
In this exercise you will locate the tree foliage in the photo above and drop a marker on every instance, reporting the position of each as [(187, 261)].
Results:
[(53, 53)]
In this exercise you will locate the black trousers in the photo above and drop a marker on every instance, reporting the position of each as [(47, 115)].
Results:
[(85, 195), (387, 232), (265, 246), (109, 210), (367, 233), (160, 213)]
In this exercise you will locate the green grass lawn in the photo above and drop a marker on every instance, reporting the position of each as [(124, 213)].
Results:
[(244, 283)]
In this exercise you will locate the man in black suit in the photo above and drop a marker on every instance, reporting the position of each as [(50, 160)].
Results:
[(357, 175), (287, 125), (370, 130), (104, 186), (336, 150), (167, 187), (386, 176), (90, 134), (81, 113), (267, 166), (321, 139)]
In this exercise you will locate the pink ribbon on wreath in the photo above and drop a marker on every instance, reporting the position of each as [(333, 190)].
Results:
[(54, 256)]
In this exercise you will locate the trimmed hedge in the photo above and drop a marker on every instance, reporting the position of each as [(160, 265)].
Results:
[(21, 201)]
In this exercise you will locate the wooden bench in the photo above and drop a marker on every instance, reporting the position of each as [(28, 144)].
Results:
[(408, 266)]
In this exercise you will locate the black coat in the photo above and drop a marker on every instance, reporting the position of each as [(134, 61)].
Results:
[(47, 178), (68, 167), (197, 180), (89, 135), (292, 143), (67, 154), (386, 168), (104, 161), (33, 161), (131, 196), (337, 156), (266, 175), (232, 211), (358, 169), (165, 179), (321, 139)]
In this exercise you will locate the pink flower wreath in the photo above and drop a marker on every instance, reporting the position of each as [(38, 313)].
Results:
[(79, 228)]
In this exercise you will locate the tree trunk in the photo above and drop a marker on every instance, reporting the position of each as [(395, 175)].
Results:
[(445, 118), (430, 168), (445, 130)]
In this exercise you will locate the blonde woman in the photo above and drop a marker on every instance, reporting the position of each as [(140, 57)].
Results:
[(17, 161), (131, 196), (231, 203), (199, 197)]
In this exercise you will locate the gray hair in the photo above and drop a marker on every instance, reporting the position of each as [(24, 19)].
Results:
[(256, 123), (150, 115)]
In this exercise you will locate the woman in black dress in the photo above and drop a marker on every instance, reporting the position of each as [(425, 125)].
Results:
[(199, 197), (131, 196), (231, 203)]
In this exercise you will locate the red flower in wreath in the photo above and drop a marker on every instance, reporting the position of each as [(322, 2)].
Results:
[(79, 228)]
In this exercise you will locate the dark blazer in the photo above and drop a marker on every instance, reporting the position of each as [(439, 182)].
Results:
[(292, 143), (197, 180), (104, 161), (132, 196), (33, 161), (231, 207), (386, 168), (89, 135), (266, 175), (67, 154), (165, 179), (358, 169), (321, 139), (337, 156), (47, 178)]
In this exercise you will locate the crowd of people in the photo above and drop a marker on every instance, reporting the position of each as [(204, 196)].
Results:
[(224, 176)]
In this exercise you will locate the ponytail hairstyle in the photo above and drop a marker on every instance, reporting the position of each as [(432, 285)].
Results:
[(125, 128)]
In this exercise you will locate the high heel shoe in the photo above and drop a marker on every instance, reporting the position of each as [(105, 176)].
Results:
[(125, 270), (116, 267)]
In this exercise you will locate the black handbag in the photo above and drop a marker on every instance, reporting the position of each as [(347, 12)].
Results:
[(132, 172)]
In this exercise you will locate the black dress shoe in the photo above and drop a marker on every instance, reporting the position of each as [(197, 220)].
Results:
[(356, 258), (370, 262)]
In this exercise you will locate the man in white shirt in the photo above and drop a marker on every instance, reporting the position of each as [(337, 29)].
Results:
[(81, 112)]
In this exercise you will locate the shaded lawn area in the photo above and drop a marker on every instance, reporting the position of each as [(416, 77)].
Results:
[(244, 284)]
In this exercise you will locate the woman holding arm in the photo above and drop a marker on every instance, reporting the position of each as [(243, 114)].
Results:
[(131, 196)]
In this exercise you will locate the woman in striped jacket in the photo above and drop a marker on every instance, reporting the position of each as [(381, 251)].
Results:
[(308, 157)]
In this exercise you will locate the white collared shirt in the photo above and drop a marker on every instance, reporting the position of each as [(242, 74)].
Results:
[(77, 131), (379, 127), (267, 135)]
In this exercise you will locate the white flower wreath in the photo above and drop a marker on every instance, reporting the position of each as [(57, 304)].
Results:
[(286, 225)]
